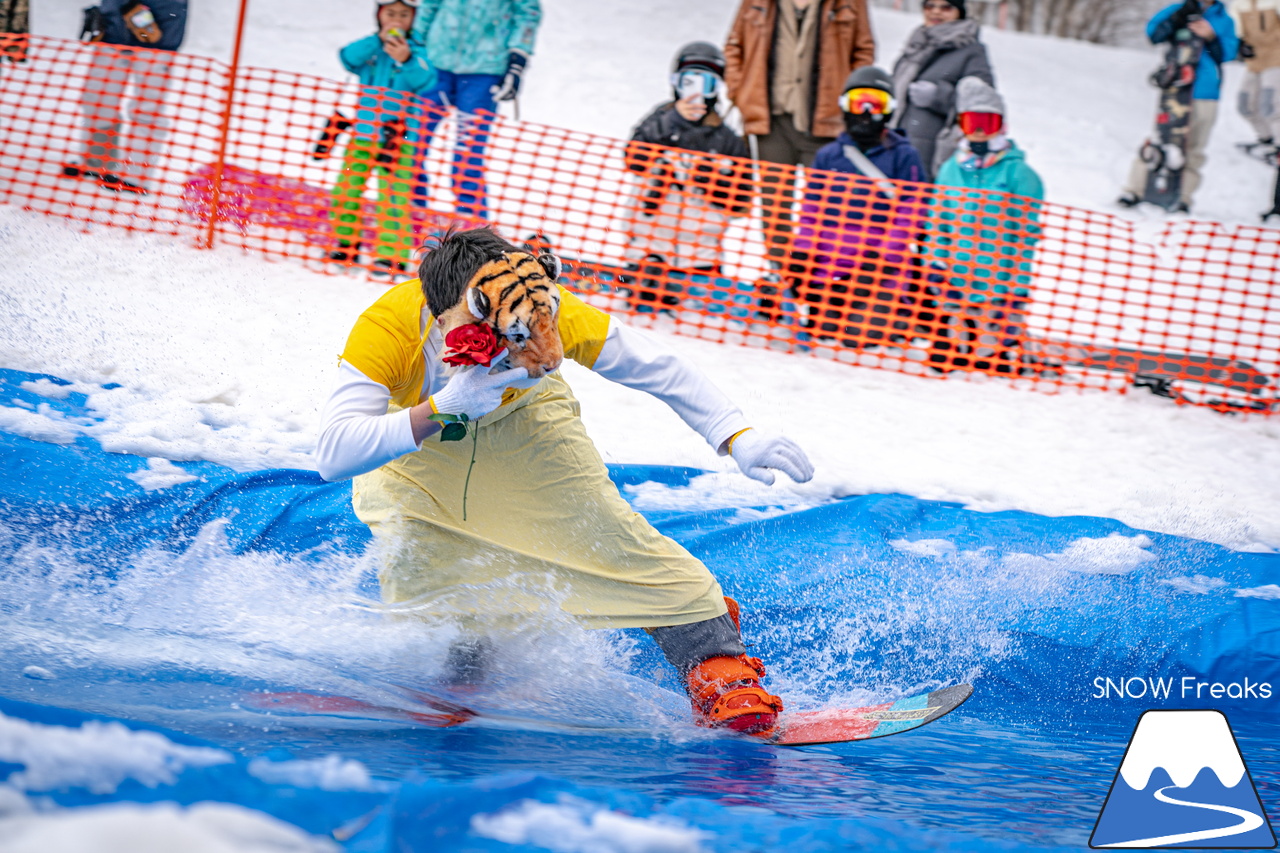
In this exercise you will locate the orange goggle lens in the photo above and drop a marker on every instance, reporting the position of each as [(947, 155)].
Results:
[(873, 101), (989, 123)]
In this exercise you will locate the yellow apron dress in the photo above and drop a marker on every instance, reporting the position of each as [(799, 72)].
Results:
[(545, 527)]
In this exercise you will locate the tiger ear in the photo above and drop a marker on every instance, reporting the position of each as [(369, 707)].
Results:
[(478, 303), (551, 264)]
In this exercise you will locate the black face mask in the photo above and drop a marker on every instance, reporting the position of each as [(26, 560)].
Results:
[(867, 130), (982, 149)]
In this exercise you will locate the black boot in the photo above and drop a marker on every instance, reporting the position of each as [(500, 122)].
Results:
[(1275, 201)]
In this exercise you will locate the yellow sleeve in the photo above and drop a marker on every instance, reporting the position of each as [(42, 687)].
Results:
[(583, 329), (385, 344)]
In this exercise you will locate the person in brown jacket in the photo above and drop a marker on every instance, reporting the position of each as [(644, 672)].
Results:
[(785, 65)]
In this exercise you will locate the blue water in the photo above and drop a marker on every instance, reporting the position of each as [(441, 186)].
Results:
[(166, 609)]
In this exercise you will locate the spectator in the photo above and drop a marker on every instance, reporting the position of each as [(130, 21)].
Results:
[(480, 49), (390, 65), (988, 242), (686, 200), (937, 55), (1258, 25), (858, 233), (13, 21), (785, 63), (1209, 20), (117, 161)]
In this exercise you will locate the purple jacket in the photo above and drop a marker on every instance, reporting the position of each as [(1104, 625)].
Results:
[(849, 222)]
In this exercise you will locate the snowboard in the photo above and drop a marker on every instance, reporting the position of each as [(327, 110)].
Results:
[(1263, 152), (1166, 155), (797, 728), (1158, 371)]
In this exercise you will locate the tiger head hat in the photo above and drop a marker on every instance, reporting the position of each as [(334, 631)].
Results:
[(512, 291)]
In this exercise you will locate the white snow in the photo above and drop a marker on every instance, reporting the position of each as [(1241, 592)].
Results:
[(569, 828), (160, 474), (97, 756), (1267, 592), (331, 773), (1183, 743), (157, 828), (177, 341)]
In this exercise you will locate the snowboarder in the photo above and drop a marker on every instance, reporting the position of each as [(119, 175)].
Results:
[(1258, 26), (1206, 22), (685, 201), (535, 503), (393, 68), (116, 161), (857, 234), (995, 257), (480, 49)]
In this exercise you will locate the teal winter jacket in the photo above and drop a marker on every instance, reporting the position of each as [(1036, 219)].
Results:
[(385, 82), (476, 36), (990, 238)]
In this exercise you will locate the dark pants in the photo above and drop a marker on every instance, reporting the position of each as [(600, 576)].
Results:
[(785, 145)]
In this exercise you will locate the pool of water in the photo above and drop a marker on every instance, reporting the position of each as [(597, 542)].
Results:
[(169, 610)]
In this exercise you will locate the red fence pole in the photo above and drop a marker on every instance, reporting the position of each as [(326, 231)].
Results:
[(215, 189)]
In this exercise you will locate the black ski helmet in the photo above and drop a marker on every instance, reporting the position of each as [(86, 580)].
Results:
[(864, 128), (868, 77), (699, 54)]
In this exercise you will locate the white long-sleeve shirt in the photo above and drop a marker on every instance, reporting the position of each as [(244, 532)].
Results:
[(357, 434)]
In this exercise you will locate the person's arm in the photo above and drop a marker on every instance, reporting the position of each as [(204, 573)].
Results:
[(1169, 20), (415, 74), (733, 52), (359, 53), (525, 17), (1226, 46), (171, 17), (357, 434), (632, 358), (864, 40)]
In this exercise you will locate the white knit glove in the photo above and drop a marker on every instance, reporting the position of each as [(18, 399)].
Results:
[(757, 452), (476, 391)]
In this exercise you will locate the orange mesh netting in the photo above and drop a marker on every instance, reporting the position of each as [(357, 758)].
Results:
[(915, 278)]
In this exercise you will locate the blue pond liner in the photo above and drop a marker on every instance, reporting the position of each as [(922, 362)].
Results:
[(882, 594)]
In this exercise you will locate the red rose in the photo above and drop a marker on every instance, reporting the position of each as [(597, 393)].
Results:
[(474, 343)]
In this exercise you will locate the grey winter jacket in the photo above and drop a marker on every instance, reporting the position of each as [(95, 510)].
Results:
[(923, 122)]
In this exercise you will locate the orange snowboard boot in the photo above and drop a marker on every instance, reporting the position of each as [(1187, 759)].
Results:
[(726, 692)]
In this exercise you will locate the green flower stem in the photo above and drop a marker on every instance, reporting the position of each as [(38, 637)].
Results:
[(475, 438)]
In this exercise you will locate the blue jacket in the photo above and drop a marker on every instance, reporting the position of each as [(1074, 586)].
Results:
[(847, 223), (170, 15), (385, 81), (476, 36), (987, 237), (1208, 85)]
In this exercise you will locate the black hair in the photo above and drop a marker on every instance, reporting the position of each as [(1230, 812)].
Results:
[(453, 259)]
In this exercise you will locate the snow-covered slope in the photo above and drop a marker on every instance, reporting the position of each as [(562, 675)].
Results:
[(228, 358), (1080, 110)]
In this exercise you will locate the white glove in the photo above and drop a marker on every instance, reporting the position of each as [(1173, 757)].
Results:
[(757, 452), (476, 391), (922, 92)]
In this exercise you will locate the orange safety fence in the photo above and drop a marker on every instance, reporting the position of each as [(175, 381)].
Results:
[(916, 278)]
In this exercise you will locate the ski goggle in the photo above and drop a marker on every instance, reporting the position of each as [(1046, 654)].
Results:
[(412, 4), (876, 102), (702, 83), (988, 123)]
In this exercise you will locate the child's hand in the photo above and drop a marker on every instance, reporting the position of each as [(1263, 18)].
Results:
[(1202, 28), (394, 43), (691, 107)]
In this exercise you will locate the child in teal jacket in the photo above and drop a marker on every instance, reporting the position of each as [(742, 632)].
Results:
[(987, 241), (394, 72)]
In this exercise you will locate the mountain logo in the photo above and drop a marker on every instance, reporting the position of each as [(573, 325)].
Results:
[(1183, 783)]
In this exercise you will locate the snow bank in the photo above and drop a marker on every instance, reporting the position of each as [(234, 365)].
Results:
[(159, 828), (228, 359)]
